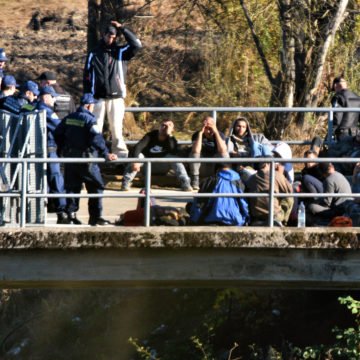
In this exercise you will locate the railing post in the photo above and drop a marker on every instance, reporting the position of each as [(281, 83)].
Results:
[(23, 193), (147, 194), (214, 114), (271, 199), (330, 127)]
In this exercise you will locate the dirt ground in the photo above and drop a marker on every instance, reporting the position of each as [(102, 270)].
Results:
[(58, 45)]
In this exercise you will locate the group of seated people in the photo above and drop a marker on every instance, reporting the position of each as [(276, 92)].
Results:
[(244, 177)]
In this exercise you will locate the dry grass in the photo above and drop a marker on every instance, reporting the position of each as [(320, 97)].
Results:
[(17, 14)]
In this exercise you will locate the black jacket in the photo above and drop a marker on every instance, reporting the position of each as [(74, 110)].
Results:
[(343, 122), (106, 67)]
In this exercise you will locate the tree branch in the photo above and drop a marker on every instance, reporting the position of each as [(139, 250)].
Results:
[(258, 44)]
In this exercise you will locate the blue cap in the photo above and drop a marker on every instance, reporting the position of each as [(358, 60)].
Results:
[(9, 80), (31, 86), (3, 55), (48, 90), (88, 98)]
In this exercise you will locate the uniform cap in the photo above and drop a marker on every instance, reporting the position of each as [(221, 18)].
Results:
[(88, 98), (47, 75), (3, 55), (31, 86), (48, 90), (9, 80)]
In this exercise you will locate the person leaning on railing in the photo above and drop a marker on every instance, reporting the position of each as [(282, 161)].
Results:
[(208, 142)]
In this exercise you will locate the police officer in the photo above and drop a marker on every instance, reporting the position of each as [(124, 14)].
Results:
[(346, 123), (8, 101), (78, 136), (64, 104), (54, 175), (3, 60), (28, 95)]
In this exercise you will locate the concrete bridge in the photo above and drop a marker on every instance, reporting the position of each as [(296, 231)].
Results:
[(66, 257)]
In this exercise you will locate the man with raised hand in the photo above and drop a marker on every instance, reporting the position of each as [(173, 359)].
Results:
[(105, 76)]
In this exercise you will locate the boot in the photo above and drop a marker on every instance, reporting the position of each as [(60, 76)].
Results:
[(62, 218), (73, 219)]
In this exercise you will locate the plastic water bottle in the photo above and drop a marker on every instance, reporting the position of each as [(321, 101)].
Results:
[(301, 215)]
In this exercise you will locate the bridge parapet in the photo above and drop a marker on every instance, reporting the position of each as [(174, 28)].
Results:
[(181, 257)]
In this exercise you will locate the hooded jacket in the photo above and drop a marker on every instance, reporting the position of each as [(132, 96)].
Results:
[(251, 145), (221, 210)]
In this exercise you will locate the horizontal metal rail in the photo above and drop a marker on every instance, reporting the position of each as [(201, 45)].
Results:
[(24, 194)]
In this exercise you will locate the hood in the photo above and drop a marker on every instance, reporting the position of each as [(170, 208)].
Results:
[(229, 175), (249, 135), (284, 150)]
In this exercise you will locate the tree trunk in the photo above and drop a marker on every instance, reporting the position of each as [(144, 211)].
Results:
[(94, 17), (312, 95)]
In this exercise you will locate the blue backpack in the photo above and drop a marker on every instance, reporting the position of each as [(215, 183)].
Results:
[(222, 210)]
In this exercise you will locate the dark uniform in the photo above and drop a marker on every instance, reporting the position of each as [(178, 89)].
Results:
[(346, 123), (77, 136), (54, 175)]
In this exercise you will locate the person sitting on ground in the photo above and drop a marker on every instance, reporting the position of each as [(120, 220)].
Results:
[(77, 136), (283, 151), (243, 143), (334, 183), (311, 177), (345, 123), (222, 210), (157, 144), (352, 208), (259, 206), (208, 142)]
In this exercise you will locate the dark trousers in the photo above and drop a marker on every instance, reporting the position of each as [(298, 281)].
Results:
[(89, 174), (56, 182)]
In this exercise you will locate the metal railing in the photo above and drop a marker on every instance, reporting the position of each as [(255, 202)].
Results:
[(24, 194)]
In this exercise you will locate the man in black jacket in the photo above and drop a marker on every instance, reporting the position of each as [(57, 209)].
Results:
[(157, 144), (345, 123), (104, 77)]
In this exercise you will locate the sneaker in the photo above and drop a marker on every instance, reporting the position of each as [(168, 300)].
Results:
[(74, 220), (62, 218), (98, 222), (186, 187), (125, 186), (195, 182)]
